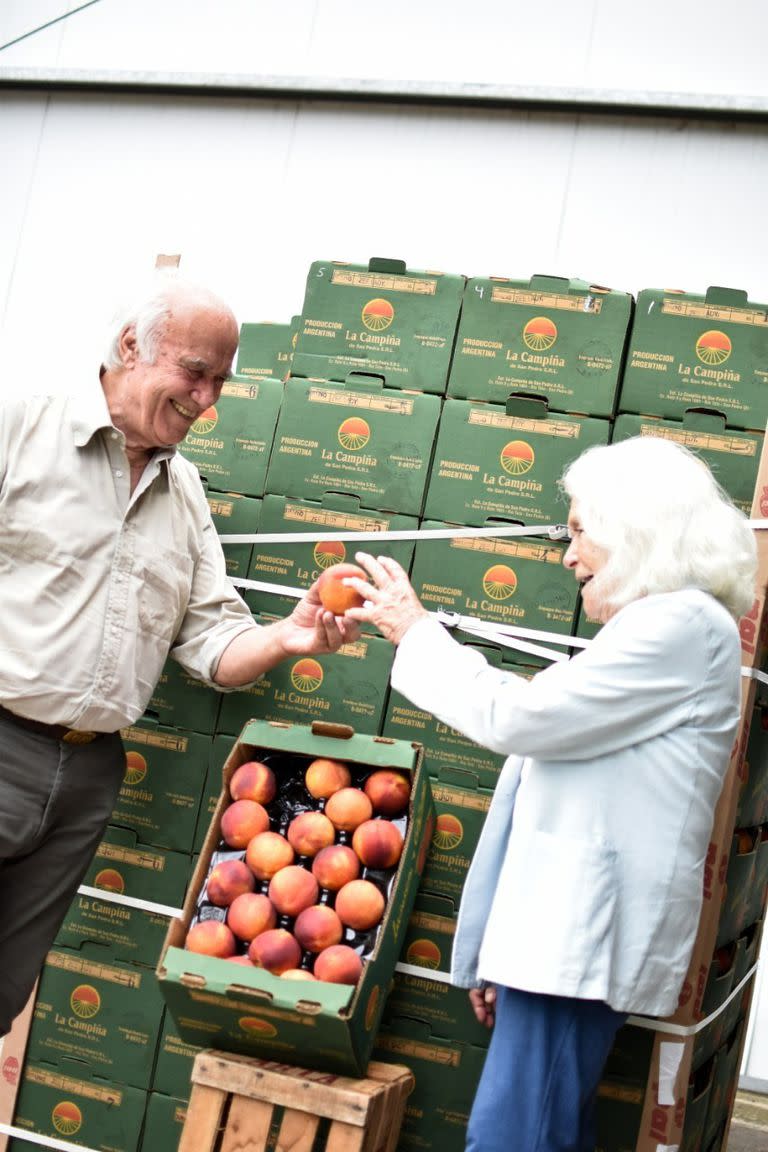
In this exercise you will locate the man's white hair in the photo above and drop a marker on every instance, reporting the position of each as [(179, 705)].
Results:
[(148, 311), (665, 522)]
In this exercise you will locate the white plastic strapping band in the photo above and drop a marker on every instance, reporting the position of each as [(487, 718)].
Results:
[(129, 901), (553, 531), (43, 1141), (649, 1024)]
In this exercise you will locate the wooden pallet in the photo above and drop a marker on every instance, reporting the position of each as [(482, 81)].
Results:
[(234, 1100)]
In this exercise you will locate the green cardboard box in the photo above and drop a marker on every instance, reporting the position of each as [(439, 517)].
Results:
[(357, 438), (125, 867), (718, 988), (733, 456), (382, 318), (180, 701), (163, 1123), (447, 1073), (505, 465), (514, 580), (753, 797), (248, 1010), (422, 988), (231, 441), (348, 686), (553, 337), (461, 807), (104, 1014), (233, 514), (73, 1107), (266, 349), (736, 906), (160, 795), (692, 351), (220, 750), (173, 1068), (298, 565)]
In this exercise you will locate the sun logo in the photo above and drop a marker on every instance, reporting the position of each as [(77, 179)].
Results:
[(377, 314), (424, 954), (499, 582), (253, 1026), (135, 767), (67, 1118), (328, 552), (354, 434), (206, 421), (713, 347), (85, 1001), (372, 1007), (539, 333), (110, 880), (448, 832), (517, 457), (306, 675)]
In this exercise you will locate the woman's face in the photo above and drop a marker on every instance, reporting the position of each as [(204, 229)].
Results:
[(587, 559)]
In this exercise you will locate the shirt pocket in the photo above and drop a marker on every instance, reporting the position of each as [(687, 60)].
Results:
[(164, 585)]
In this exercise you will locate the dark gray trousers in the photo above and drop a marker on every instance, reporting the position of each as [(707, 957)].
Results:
[(55, 801)]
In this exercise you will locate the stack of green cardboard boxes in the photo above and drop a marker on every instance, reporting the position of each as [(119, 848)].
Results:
[(412, 400)]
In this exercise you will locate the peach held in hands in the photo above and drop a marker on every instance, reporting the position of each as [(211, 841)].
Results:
[(335, 596)]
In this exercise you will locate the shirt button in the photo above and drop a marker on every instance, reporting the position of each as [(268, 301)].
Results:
[(115, 435), (118, 473)]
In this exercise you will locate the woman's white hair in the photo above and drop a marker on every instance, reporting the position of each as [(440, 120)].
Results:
[(665, 522), (148, 311)]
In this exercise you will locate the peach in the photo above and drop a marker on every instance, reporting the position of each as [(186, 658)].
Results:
[(347, 808), (250, 914), (211, 938), (227, 880), (359, 905), (324, 777), (253, 781), (276, 950), (243, 820), (338, 964), (293, 889), (318, 927), (388, 791), (297, 974), (378, 843), (267, 853), (244, 959), (335, 866), (309, 832), (336, 596)]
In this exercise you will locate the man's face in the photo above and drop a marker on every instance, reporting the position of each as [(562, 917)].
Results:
[(157, 403)]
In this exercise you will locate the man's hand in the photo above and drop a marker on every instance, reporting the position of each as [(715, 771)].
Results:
[(309, 631), (483, 1001)]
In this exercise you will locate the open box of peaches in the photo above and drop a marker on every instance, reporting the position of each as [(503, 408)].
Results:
[(298, 907)]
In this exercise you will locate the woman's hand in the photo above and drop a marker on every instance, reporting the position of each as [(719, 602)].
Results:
[(483, 1001), (392, 605)]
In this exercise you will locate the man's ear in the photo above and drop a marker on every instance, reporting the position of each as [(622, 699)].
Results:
[(127, 346)]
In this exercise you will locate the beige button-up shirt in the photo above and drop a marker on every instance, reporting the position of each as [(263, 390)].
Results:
[(97, 586)]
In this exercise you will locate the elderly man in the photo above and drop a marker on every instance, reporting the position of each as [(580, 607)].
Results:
[(109, 562)]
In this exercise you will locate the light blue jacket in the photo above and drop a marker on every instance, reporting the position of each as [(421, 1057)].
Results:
[(587, 880)]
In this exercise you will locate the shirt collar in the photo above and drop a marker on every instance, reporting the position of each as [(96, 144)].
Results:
[(90, 414)]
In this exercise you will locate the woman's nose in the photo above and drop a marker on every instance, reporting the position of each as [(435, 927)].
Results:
[(570, 558)]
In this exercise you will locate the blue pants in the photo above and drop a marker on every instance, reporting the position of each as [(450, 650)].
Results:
[(538, 1088)]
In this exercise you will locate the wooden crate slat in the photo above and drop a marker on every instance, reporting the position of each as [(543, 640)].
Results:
[(203, 1119), (336, 1097), (345, 1138), (297, 1131), (248, 1125)]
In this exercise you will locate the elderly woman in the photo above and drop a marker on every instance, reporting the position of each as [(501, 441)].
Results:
[(583, 899)]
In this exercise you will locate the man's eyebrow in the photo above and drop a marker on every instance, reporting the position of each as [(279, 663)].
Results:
[(196, 363)]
